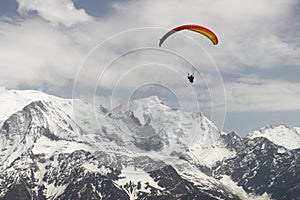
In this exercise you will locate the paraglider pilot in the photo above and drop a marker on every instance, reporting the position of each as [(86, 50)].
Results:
[(191, 77)]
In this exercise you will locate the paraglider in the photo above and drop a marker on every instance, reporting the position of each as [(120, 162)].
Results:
[(192, 27), (191, 77)]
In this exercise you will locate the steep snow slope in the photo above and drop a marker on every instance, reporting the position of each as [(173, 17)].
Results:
[(163, 131), (12, 101), (288, 137)]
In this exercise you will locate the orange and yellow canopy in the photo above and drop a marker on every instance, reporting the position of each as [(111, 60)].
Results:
[(199, 29)]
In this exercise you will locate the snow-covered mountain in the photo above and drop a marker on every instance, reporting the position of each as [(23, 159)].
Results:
[(54, 148), (285, 136)]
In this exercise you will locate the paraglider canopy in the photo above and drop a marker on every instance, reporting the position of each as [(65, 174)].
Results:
[(192, 27)]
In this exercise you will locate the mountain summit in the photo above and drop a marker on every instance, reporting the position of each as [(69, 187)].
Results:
[(282, 135)]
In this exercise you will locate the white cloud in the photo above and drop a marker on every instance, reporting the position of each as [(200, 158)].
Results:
[(55, 11), (258, 95), (35, 53)]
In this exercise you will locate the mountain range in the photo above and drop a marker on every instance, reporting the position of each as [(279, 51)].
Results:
[(55, 148)]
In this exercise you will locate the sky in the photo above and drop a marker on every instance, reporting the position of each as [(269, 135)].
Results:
[(107, 52)]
